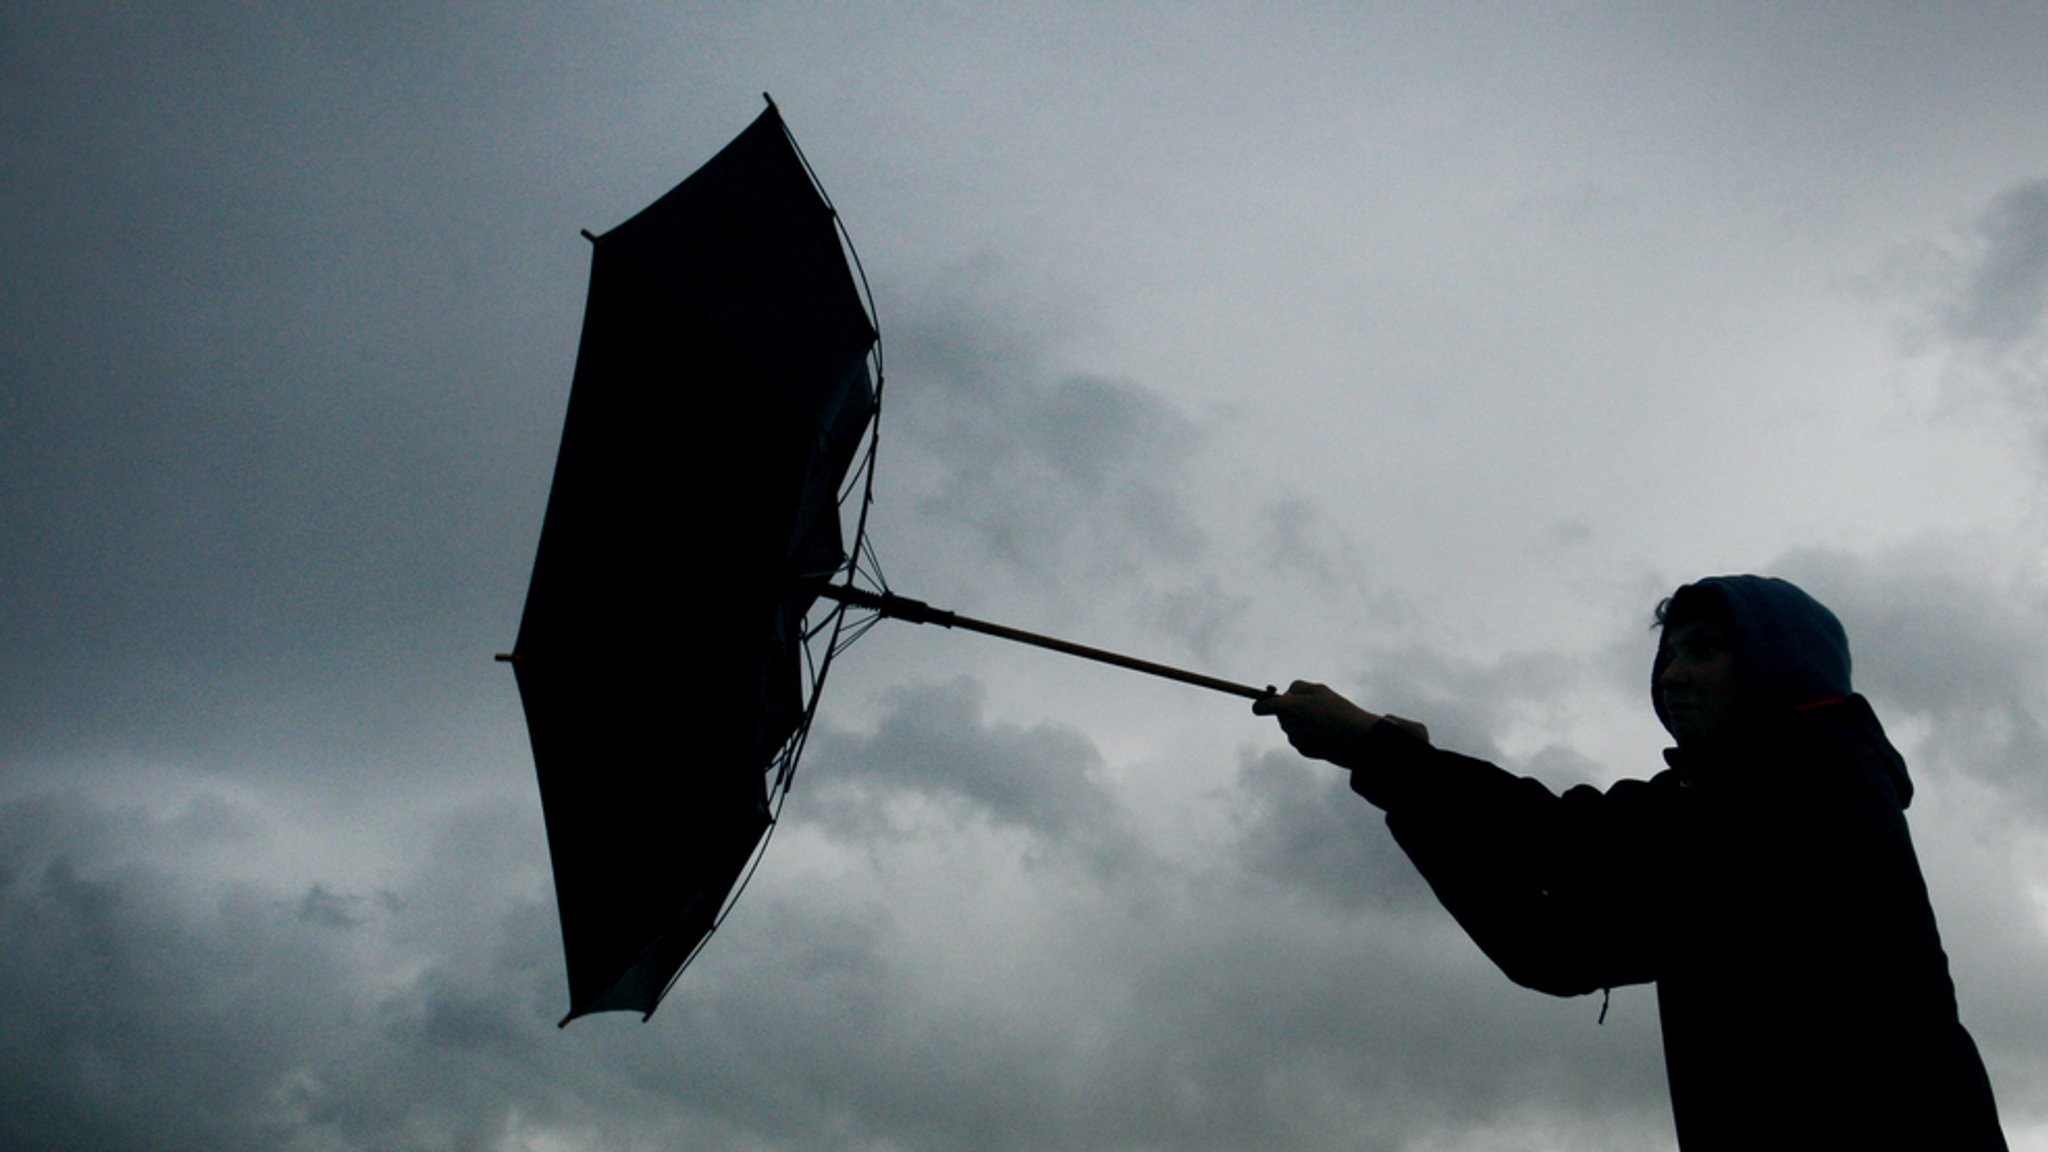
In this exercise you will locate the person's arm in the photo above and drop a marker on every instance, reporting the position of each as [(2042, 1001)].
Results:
[(1561, 892), (1323, 725), (1544, 884)]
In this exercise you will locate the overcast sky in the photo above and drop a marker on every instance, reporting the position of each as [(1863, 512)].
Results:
[(1419, 349)]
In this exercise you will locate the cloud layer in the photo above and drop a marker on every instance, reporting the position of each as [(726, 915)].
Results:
[(1418, 352)]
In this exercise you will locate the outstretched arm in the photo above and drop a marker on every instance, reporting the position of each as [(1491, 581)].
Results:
[(1537, 880)]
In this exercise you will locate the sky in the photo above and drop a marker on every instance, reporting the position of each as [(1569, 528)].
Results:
[(1417, 349)]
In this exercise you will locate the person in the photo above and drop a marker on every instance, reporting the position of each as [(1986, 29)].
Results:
[(1765, 881)]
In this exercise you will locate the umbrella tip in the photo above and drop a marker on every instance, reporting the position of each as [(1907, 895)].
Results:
[(769, 99)]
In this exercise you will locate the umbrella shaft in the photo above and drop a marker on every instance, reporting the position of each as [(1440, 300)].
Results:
[(918, 612)]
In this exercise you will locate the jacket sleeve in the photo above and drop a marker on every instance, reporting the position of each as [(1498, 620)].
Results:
[(1556, 890)]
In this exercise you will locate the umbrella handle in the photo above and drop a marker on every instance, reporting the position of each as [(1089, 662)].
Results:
[(918, 612)]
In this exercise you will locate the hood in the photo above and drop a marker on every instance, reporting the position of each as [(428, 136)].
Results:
[(1791, 652), (1792, 657), (1792, 665)]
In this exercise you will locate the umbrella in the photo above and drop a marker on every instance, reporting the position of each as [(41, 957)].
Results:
[(720, 394), (727, 381)]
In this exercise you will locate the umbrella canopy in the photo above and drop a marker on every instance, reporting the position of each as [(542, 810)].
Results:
[(721, 393)]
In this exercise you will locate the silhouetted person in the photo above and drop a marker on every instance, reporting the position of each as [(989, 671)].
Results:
[(1765, 881)]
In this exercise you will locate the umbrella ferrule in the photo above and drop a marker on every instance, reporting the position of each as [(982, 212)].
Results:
[(890, 604), (915, 611)]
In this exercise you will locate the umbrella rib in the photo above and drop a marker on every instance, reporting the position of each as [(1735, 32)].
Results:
[(874, 318), (732, 899)]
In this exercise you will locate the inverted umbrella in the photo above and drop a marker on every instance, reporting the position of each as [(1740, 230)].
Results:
[(723, 391)]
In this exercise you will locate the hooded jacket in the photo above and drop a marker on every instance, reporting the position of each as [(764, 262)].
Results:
[(1767, 885)]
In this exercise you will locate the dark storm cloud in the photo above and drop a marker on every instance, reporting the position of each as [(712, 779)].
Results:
[(2003, 298), (1294, 528), (1468, 704), (1979, 301), (1301, 543), (152, 1007), (272, 428), (1308, 835), (139, 1020), (155, 1008), (1299, 537), (1036, 469), (1934, 637), (1205, 615), (1049, 470), (1132, 1023), (292, 295), (933, 743)]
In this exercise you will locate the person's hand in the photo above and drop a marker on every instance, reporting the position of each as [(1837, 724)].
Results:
[(1318, 722)]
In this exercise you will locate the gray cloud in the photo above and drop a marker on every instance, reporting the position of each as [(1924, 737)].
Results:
[(1935, 637), (292, 296), (1308, 835), (141, 1020), (2002, 301), (1050, 471), (1979, 302), (934, 744), (274, 418), (156, 1008), (1468, 704), (1205, 615), (1299, 539), (1296, 538)]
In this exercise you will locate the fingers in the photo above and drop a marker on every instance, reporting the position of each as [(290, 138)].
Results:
[(1322, 724), (1288, 701)]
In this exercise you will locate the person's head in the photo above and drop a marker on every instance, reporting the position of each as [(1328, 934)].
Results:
[(1737, 650)]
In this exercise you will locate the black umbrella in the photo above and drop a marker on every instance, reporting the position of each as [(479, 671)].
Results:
[(723, 391)]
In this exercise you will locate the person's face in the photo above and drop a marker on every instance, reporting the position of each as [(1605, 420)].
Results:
[(1698, 686)]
